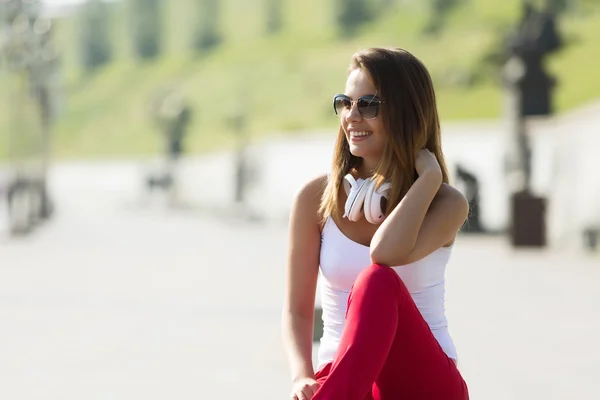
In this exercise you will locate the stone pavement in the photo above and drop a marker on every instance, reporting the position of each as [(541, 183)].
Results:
[(119, 297)]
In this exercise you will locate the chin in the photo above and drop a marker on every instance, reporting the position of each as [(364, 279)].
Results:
[(358, 151)]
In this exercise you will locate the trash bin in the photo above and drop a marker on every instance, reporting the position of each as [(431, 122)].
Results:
[(591, 236), (528, 225)]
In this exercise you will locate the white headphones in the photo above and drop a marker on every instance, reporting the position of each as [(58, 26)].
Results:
[(364, 198)]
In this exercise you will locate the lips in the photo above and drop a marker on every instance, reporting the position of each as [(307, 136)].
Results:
[(360, 133), (359, 136)]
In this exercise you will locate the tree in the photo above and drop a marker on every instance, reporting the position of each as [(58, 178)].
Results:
[(438, 14), (352, 14), (147, 28), (207, 35), (274, 16), (96, 47)]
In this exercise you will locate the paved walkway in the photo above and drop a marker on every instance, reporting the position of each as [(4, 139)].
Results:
[(120, 298)]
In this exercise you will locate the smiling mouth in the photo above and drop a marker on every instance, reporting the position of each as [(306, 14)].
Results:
[(360, 134)]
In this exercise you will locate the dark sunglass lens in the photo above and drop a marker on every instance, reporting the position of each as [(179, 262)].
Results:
[(340, 104), (368, 107)]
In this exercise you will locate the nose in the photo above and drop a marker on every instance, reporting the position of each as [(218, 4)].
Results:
[(353, 115)]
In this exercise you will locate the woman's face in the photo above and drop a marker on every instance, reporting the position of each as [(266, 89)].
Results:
[(366, 137)]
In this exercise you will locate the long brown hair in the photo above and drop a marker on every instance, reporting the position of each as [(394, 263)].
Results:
[(410, 119)]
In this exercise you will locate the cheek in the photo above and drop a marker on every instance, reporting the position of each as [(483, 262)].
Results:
[(344, 124), (380, 126), (381, 136), (379, 129), (345, 129)]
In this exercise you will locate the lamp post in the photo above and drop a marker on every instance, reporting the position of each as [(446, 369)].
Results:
[(238, 122), (530, 94), (44, 66)]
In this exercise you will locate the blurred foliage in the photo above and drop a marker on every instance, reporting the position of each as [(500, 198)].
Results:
[(353, 14), (439, 10), (147, 24), (274, 17), (95, 38), (206, 36), (20, 122), (285, 80)]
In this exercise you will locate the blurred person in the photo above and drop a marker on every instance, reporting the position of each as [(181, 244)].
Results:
[(379, 230), (172, 114), (174, 117)]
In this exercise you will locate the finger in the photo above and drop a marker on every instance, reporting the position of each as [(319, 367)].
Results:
[(306, 393), (297, 396), (313, 389)]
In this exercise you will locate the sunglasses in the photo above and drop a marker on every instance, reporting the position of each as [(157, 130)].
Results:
[(368, 105)]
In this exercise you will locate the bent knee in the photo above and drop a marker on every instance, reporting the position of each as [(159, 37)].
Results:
[(378, 274)]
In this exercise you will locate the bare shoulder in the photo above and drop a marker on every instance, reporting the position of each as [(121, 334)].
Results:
[(308, 197), (313, 188), (452, 201)]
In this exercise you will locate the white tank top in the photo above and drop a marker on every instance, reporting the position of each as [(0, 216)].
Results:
[(341, 260)]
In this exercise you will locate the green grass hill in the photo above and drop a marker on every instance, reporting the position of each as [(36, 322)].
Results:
[(285, 82)]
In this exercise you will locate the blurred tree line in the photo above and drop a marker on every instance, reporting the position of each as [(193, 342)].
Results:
[(145, 19)]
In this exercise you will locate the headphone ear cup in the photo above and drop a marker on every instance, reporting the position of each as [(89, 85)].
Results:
[(351, 186), (349, 182), (356, 208), (368, 208), (377, 203)]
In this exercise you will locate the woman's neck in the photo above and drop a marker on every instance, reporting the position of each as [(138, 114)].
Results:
[(366, 168)]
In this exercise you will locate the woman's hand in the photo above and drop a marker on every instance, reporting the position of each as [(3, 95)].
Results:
[(426, 163), (304, 389)]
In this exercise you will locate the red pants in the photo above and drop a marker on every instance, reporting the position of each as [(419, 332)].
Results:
[(387, 350)]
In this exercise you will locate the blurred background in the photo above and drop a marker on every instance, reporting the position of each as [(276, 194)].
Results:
[(150, 151)]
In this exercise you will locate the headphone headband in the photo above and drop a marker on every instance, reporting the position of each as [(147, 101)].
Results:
[(365, 199)]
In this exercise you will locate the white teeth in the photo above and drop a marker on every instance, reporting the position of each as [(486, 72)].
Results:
[(359, 134)]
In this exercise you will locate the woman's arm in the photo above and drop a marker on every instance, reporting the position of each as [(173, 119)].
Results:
[(428, 217), (301, 278)]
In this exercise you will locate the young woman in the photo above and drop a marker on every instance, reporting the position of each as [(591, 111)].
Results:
[(379, 228)]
